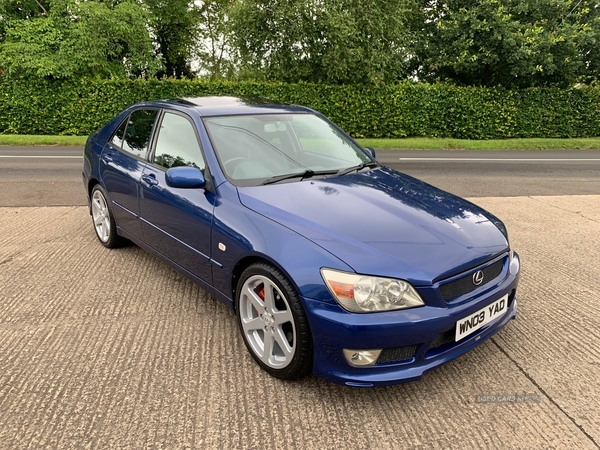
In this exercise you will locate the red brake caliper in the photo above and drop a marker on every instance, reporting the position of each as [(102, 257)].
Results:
[(261, 294)]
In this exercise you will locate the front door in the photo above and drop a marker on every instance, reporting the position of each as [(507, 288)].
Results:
[(175, 221)]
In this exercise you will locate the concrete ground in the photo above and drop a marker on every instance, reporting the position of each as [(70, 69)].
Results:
[(111, 349)]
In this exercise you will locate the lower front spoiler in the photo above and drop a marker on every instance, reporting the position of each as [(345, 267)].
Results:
[(413, 371)]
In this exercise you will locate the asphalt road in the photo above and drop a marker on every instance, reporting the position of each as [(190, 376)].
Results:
[(41, 176), (51, 176), (501, 173), (111, 349)]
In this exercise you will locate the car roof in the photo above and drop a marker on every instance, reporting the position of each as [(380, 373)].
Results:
[(225, 106)]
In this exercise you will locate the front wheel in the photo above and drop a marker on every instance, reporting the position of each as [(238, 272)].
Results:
[(273, 322)]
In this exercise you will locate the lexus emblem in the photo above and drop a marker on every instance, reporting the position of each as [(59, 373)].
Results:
[(478, 277)]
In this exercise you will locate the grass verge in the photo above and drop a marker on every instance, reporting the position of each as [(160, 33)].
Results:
[(388, 144), (494, 144), (27, 140)]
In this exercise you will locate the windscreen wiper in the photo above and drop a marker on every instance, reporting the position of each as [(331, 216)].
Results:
[(302, 175), (357, 168)]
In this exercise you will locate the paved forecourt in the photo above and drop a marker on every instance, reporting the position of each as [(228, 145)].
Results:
[(110, 348)]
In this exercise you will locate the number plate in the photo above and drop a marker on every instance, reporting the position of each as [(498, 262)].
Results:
[(475, 321)]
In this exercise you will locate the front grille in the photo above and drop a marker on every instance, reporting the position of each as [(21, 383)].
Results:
[(465, 284), (397, 354)]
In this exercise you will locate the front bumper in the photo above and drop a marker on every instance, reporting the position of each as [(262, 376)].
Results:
[(421, 338)]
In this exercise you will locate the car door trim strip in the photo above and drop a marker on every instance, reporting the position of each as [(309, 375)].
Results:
[(125, 209), (175, 239)]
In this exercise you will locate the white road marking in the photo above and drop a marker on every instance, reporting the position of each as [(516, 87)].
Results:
[(42, 156), (502, 159)]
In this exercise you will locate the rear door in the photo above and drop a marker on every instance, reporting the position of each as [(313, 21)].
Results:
[(177, 222), (121, 166)]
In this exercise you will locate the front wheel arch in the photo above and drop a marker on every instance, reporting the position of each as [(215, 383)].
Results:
[(246, 262)]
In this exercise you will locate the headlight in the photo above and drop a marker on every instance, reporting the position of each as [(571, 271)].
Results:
[(364, 293)]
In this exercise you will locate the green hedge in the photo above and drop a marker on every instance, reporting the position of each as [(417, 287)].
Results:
[(392, 111)]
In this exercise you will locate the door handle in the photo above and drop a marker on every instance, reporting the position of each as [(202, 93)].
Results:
[(107, 157), (150, 179)]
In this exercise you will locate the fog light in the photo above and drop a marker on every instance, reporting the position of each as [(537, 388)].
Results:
[(362, 357)]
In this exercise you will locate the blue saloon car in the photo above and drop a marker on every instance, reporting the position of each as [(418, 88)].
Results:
[(332, 263)]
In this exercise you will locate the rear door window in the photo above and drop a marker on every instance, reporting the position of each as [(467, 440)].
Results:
[(117, 138), (138, 132)]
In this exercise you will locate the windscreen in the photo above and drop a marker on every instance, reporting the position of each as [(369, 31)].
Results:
[(255, 148)]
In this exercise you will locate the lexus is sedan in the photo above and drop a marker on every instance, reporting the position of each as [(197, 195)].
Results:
[(332, 263)]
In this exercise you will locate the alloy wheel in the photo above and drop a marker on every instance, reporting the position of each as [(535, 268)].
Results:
[(101, 216), (267, 322)]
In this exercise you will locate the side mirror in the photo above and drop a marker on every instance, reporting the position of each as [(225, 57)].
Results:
[(371, 152), (185, 177)]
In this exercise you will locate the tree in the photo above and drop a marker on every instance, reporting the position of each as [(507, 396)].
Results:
[(70, 38), (506, 42), (330, 41), (20, 10), (589, 14), (173, 24), (214, 50)]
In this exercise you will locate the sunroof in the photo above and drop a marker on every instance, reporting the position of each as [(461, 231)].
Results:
[(226, 101)]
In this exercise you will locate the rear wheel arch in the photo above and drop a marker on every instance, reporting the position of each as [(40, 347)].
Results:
[(103, 218), (90, 185)]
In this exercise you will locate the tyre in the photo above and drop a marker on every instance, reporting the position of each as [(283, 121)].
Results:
[(104, 222), (273, 322)]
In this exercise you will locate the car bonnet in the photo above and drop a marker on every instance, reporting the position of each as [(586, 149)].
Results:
[(383, 223)]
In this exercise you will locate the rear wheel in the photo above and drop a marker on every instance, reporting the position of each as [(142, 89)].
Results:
[(104, 222), (273, 322)]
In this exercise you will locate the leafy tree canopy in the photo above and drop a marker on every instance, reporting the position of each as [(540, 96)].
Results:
[(511, 43), (173, 23), (507, 42), (70, 38), (330, 41), (214, 48)]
